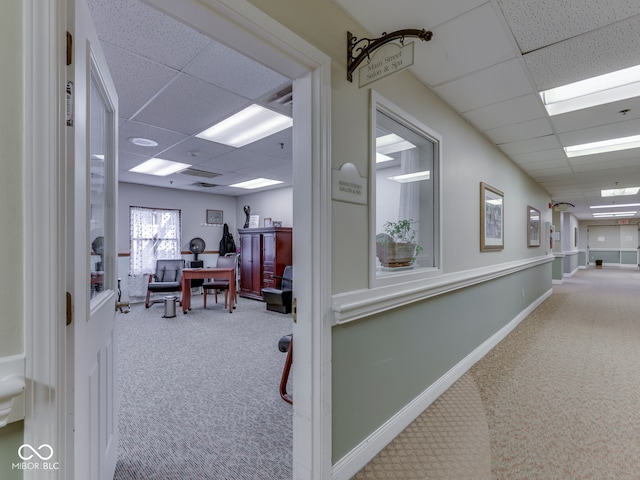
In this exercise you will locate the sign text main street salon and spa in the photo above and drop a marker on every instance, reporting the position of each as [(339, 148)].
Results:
[(376, 58), (389, 59)]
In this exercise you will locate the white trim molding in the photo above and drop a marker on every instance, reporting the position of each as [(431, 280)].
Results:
[(358, 304), (362, 454), (12, 386)]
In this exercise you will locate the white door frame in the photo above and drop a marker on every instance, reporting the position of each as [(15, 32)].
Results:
[(247, 29)]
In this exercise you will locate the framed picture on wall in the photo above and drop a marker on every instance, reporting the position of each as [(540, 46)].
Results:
[(491, 218), (533, 230), (214, 217)]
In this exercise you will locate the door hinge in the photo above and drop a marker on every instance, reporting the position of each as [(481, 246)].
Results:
[(69, 49), (294, 310), (69, 309)]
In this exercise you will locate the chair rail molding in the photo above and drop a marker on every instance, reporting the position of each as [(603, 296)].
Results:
[(351, 306), (12, 387)]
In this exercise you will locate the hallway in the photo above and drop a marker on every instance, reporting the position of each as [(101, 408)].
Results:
[(556, 399)]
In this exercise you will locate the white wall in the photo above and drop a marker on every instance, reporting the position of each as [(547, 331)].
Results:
[(274, 204)]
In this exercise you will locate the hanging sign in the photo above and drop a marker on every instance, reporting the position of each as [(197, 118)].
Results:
[(348, 185), (389, 59)]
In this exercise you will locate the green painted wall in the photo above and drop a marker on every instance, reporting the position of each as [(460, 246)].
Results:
[(11, 208), (382, 363), (11, 437)]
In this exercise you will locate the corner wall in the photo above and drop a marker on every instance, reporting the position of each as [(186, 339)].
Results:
[(380, 363), (11, 212)]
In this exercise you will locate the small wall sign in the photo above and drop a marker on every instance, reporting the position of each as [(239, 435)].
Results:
[(389, 59), (348, 185)]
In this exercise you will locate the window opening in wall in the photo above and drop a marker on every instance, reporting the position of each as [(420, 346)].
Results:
[(405, 194), (154, 234)]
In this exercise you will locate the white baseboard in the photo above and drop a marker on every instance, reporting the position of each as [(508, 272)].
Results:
[(362, 454)]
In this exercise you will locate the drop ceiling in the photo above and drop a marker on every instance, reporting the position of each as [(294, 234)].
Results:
[(488, 60), (172, 83)]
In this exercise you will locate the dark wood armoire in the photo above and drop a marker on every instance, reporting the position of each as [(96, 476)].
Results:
[(264, 252)]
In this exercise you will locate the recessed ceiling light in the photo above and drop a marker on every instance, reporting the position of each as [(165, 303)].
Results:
[(616, 214), (159, 167), (622, 205), (392, 143), (607, 88), (611, 145), (247, 126), (617, 192), (143, 142), (412, 177), (256, 183)]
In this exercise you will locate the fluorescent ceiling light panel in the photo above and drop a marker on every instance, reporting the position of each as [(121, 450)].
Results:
[(607, 88), (412, 177), (392, 143), (256, 183), (617, 192), (380, 158), (616, 214), (622, 205), (247, 126), (603, 146), (159, 167)]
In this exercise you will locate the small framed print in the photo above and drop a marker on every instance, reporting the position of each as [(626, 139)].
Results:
[(267, 222), (491, 218), (214, 217), (533, 220)]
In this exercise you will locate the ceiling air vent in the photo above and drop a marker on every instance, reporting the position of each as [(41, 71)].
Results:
[(204, 185), (198, 173)]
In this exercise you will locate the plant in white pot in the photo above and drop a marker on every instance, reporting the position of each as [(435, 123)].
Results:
[(397, 247)]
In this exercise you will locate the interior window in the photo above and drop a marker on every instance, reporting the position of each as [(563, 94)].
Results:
[(405, 166)]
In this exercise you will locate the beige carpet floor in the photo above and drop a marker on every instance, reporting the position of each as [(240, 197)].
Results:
[(558, 399)]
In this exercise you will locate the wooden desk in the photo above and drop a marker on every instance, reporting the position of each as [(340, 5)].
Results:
[(189, 274)]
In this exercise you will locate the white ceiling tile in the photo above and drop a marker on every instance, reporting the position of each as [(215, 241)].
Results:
[(226, 68), (520, 131), (378, 16), (190, 105), (605, 50), (597, 116), (494, 84), (514, 110), (531, 145), (536, 24), (134, 26), (467, 43), (539, 156), (602, 132), (136, 79)]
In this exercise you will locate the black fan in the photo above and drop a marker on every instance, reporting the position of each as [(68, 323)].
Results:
[(196, 245)]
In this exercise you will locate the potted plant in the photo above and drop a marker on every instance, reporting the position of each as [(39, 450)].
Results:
[(397, 247)]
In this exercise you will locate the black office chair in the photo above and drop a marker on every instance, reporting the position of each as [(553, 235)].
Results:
[(168, 278), (279, 299)]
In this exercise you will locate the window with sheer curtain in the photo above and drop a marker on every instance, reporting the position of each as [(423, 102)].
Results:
[(154, 234)]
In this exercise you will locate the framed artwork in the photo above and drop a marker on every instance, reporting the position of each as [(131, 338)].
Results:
[(491, 218), (214, 217), (533, 232)]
